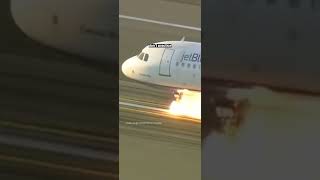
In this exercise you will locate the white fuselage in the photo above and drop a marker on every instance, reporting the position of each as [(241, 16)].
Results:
[(82, 27), (178, 66)]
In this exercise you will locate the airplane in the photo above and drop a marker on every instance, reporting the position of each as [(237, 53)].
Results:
[(175, 64), (84, 28)]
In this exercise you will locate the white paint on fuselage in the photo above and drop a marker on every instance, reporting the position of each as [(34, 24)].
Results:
[(182, 70)]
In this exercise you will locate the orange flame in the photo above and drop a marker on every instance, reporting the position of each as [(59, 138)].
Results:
[(189, 104)]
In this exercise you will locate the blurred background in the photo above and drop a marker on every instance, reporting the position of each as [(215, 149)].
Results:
[(58, 115), (260, 89)]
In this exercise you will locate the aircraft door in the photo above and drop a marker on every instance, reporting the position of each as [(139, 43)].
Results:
[(164, 69)]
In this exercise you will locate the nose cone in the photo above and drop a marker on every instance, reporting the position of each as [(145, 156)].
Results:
[(126, 68), (22, 13)]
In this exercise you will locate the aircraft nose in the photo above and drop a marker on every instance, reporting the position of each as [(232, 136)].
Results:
[(126, 68)]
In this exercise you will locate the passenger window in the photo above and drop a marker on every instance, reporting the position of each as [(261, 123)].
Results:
[(189, 65), (141, 56), (294, 3), (194, 66), (146, 57), (182, 64), (177, 63)]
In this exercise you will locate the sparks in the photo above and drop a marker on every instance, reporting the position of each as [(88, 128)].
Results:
[(188, 104)]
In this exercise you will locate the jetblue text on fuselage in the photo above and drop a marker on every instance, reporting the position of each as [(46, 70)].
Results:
[(192, 57)]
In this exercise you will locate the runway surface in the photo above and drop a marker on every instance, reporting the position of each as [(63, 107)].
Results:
[(57, 117), (153, 143), (278, 140)]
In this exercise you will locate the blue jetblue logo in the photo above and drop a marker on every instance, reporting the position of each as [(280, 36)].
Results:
[(192, 57)]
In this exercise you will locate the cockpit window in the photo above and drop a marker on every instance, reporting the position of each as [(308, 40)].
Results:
[(146, 57), (141, 56)]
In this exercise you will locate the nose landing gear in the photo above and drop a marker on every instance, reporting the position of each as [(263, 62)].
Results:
[(177, 95)]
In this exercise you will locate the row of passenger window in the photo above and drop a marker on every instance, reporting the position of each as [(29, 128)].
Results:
[(188, 65), (143, 56)]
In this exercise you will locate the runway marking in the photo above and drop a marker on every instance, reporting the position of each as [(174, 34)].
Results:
[(160, 22)]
